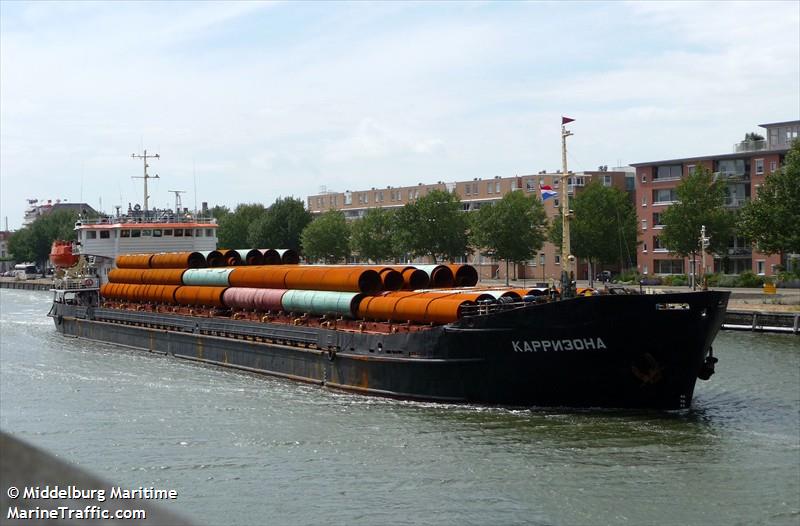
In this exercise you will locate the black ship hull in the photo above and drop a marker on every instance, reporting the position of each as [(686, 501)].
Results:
[(600, 351)]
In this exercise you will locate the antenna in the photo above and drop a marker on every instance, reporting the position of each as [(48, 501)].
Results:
[(144, 157), (178, 204), (194, 176)]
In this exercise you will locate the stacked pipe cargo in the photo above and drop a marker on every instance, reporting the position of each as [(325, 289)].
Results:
[(231, 280)]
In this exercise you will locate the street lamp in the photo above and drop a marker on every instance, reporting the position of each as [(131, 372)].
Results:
[(541, 260)]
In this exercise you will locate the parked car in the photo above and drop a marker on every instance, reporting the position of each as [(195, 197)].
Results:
[(603, 275)]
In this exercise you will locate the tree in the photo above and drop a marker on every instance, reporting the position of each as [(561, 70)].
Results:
[(327, 237), (233, 226), (281, 225), (219, 211), (513, 229), (33, 242), (603, 228), (701, 201), (433, 225), (772, 218), (753, 137), (372, 236)]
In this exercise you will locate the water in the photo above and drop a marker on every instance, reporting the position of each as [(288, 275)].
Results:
[(242, 449)]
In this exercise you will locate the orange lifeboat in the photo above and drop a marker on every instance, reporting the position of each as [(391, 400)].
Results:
[(61, 255)]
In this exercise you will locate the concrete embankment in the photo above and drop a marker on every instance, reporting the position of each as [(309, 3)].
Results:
[(26, 284)]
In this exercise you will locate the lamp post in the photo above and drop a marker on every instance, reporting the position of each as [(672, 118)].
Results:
[(542, 261)]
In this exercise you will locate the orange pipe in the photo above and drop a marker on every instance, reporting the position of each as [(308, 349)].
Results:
[(196, 295), (465, 275), (125, 275), (419, 307), (134, 261), (163, 276), (260, 276), (178, 260)]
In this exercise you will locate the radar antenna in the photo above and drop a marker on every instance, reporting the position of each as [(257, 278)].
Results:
[(178, 203)]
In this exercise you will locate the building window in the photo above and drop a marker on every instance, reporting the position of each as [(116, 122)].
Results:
[(644, 178), (657, 244), (91, 234), (348, 198), (209, 232), (731, 167), (136, 233), (168, 232), (468, 189), (690, 169), (759, 166), (497, 187), (178, 232), (558, 259), (606, 180), (665, 195), (760, 265), (668, 266), (644, 269), (147, 233), (670, 171), (489, 187), (105, 234), (187, 232), (198, 232), (530, 185), (555, 202), (773, 165), (644, 224), (657, 220), (644, 247), (644, 200)]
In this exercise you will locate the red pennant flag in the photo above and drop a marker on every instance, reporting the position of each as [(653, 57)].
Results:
[(565, 120)]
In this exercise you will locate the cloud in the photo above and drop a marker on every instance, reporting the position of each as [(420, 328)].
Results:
[(255, 100), (372, 140)]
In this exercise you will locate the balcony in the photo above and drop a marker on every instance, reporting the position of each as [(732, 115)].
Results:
[(749, 146), (739, 252), (732, 177), (734, 202)]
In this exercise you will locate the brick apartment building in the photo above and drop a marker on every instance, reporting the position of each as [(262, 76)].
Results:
[(474, 194), (743, 172)]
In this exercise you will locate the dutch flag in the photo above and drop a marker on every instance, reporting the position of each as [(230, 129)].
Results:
[(547, 192)]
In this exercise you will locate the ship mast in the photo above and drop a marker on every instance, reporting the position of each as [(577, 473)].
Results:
[(567, 275), (146, 176)]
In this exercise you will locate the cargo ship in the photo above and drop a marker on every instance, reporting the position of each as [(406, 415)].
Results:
[(413, 332)]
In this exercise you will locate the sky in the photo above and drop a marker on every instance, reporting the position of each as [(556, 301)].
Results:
[(247, 101)]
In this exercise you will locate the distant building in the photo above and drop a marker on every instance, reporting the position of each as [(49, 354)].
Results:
[(475, 193), (5, 265), (743, 172), (36, 209)]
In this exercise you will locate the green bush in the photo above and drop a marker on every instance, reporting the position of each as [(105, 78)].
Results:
[(748, 279), (727, 280), (680, 280), (629, 276)]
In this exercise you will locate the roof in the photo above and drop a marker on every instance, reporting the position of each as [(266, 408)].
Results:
[(721, 156), (784, 123)]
